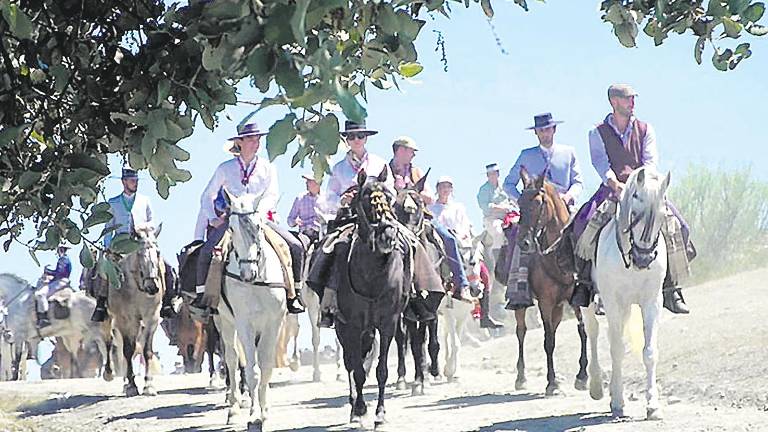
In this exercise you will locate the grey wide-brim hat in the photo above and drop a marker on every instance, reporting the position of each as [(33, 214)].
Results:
[(350, 126), (543, 121)]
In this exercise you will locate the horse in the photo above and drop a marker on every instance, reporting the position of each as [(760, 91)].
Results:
[(21, 335), (191, 340), (543, 215), (629, 268), (252, 308), (87, 363), (288, 330), (410, 209), (134, 309), (375, 279)]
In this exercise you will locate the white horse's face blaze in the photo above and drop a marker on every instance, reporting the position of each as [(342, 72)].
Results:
[(246, 237), (643, 217), (149, 261)]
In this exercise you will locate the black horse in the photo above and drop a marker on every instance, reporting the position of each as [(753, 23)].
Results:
[(374, 279), (420, 316)]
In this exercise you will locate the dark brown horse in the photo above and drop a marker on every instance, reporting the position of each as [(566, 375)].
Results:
[(543, 215)]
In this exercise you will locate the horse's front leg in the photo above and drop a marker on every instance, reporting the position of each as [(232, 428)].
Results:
[(434, 348), (550, 329), (417, 332), (265, 348), (651, 314), (520, 330), (581, 376), (149, 359), (595, 372), (400, 342), (129, 347), (386, 335), (351, 341), (617, 318)]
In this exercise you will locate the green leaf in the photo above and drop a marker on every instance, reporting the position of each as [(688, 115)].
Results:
[(324, 135), (109, 271), (717, 9), (319, 9), (626, 33), (61, 76), (753, 13), (97, 217), (352, 108), (28, 179), (523, 4), (300, 154), (177, 152), (52, 239), (297, 22), (411, 69), (487, 8), (276, 31), (408, 27), (280, 135), (86, 161), (732, 28), (720, 60), (124, 246), (289, 78), (34, 256), (163, 89), (148, 143), (86, 257), (319, 165), (163, 186), (738, 6), (18, 21), (699, 48), (10, 134), (73, 235)]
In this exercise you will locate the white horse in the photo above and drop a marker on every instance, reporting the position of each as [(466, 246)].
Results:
[(629, 268), (252, 306), (454, 317), (20, 330)]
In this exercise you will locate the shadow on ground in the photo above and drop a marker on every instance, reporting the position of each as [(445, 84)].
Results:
[(551, 424), (52, 406)]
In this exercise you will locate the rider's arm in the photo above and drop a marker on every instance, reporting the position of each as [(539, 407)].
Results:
[(293, 213), (650, 156), (111, 223), (576, 182), (333, 190), (600, 157), (512, 179), (207, 212), (484, 199)]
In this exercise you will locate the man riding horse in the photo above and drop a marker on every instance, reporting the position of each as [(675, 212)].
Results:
[(559, 164), (495, 204), (53, 280), (246, 173), (130, 211), (304, 211), (618, 146)]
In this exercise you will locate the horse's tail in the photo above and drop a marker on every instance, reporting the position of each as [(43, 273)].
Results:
[(633, 330)]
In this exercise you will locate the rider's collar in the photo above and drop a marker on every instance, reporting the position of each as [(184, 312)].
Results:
[(129, 196)]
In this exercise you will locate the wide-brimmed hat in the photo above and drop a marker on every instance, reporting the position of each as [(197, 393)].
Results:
[(129, 174), (350, 126), (444, 179), (494, 167), (621, 90), (310, 176), (405, 141), (543, 121), (247, 130)]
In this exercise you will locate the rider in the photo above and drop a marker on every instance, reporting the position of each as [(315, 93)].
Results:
[(53, 280), (245, 173), (130, 210), (618, 146), (304, 211), (452, 215), (406, 175), (495, 204), (339, 196), (558, 162)]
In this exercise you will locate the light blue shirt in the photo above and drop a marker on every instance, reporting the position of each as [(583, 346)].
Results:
[(126, 216), (563, 169), (487, 195), (649, 156)]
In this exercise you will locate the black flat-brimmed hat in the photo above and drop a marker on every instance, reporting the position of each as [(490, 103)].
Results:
[(543, 121), (248, 129), (350, 126), (129, 174)]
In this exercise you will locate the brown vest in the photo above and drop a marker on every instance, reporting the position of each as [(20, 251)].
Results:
[(624, 160)]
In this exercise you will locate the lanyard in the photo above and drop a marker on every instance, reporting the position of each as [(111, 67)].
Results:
[(128, 205), (245, 175)]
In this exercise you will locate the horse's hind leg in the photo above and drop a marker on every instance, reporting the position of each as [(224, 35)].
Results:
[(265, 349), (650, 329), (417, 332), (581, 377), (595, 372), (520, 330), (401, 341), (434, 348)]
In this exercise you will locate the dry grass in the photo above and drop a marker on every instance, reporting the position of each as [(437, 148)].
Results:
[(10, 404)]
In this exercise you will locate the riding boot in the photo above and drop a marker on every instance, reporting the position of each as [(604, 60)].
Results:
[(520, 297), (296, 305), (486, 321), (100, 311), (328, 307), (42, 320), (582, 292), (460, 293), (673, 297), (167, 311)]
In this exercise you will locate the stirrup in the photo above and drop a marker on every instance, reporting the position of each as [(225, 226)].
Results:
[(326, 320), (295, 305), (674, 302)]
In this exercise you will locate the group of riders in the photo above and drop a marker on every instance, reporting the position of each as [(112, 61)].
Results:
[(618, 145)]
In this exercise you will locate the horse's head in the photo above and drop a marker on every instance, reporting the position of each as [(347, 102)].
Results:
[(409, 206), (247, 236), (376, 219), (641, 214), (149, 259), (537, 209)]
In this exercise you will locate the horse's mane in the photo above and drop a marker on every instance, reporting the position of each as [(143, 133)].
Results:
[(14, 278), (561, 211)]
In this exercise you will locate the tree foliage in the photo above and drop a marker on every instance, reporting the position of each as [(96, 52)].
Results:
[(81, 79)]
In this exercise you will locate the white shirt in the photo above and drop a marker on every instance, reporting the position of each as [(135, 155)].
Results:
[(453, 216), (344, 176), (261, 182)]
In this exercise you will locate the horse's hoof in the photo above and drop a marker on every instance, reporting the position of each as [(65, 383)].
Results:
[(596, 389), (294, 365), (108, 376), (521, 384), (451, 378), (340, 378), (401, 385), (255, 426), (232, 413), (245, 402), (580, 384), (316, 376), (379, 420), (653, 414), (417, 390), (150, 391), (617, 412), (130, 390)]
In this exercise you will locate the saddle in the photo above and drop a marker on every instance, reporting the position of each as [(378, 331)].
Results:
[(61, 302)]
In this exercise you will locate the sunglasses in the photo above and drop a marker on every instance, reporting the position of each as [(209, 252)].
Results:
[(355, 135)]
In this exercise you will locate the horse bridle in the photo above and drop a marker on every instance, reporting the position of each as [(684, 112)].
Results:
[(538, 228), (634, 249), (241, 261)]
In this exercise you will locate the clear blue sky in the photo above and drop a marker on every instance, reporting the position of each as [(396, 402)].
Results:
[(561, 58)]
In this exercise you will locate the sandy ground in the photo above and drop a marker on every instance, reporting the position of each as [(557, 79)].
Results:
[(713, 373)]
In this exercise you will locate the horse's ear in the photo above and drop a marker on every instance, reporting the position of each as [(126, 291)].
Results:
[(158, 230), (539, 182), (640, 179), (419, 186), (525, 177), (383, 174), (361, 177)]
